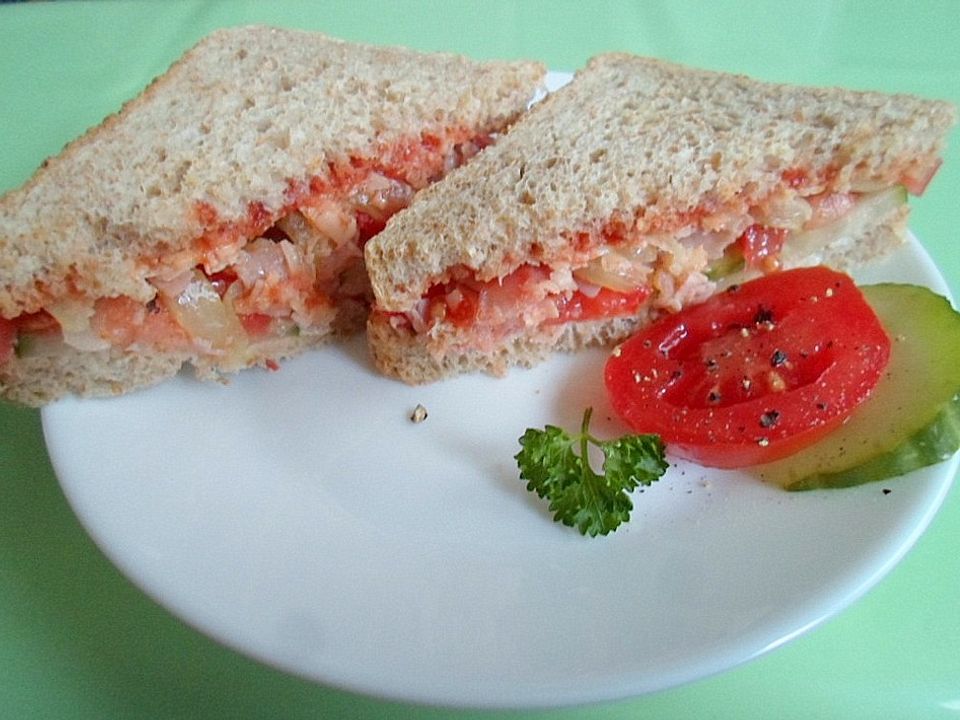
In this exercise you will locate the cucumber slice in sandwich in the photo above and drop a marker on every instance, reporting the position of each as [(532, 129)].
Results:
[(911, 420)]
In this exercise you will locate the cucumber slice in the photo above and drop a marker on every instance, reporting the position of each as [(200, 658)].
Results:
[(934, 443), (912, 418), (869, 209), (727, 264)]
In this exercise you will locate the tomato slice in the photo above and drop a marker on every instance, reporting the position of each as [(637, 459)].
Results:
[(756, 372)]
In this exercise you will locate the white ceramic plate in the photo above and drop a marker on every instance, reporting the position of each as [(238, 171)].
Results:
[(301, 518)]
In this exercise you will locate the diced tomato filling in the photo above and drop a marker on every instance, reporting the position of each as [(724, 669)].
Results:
[(122, 322), (468, 303), (795, 177), (761, 246), (225, 278), (457, 303), (256, 324), (605, 304), (368, 226)]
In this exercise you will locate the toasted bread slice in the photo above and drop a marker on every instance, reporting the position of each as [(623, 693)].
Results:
[(218, 218), (636, 189)]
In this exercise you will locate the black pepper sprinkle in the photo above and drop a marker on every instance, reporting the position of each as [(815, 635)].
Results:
[(887, 491), (733, 288), (769, 418), (778, 358), (821, 406), (713, 397), (712, 364), (764, 315)]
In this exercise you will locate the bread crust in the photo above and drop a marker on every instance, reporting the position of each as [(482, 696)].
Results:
[(647, 144)]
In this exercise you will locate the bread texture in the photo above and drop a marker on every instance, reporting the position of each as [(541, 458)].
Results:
[(647, 143), (648, 148), (219, 143)]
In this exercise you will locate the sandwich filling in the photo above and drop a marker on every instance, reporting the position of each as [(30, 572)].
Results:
[(641, 266), (245, 292)]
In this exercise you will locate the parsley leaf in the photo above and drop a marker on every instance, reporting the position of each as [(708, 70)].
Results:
[(578, 496)]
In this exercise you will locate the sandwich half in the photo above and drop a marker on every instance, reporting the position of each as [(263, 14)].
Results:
[(639, 188), (219, 218)]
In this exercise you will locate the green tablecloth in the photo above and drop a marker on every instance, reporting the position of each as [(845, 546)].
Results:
[(79, 641)]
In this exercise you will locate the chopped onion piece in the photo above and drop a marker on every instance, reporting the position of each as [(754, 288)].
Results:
[(261, 259), (199, 310), (614, 270), (74, 317), (380, 196), (588, 289), (331, 220), (292, 256), (784, 210)]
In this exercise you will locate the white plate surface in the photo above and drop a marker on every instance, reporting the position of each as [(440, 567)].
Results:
[(301, 518)]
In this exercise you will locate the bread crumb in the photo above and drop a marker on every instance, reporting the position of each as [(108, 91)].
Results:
[(419, 414)]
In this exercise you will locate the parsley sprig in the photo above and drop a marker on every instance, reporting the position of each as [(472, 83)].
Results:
[(578, 496)]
